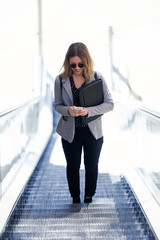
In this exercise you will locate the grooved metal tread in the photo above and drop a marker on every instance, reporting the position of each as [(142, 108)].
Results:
[(45, 210)]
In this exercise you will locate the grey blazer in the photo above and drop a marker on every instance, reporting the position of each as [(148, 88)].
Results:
[(64, 99)]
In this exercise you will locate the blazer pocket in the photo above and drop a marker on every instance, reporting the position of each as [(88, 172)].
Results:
[(64, 118)]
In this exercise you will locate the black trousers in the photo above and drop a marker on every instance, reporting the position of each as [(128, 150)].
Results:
[(83, 139)]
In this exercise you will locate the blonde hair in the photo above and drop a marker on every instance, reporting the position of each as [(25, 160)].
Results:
[(80, 50)]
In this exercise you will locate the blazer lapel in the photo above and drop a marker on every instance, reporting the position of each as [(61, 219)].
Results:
[(67, 86)]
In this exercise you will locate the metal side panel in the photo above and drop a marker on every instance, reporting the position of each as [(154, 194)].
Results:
[(146, 199)]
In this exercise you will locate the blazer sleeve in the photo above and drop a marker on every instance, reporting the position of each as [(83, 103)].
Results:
[(58, 101), (107, 104)]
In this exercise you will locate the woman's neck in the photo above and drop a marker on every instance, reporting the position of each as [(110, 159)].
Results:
[(78, 80)]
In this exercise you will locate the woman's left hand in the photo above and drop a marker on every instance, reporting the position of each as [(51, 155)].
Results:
[(83, 112)]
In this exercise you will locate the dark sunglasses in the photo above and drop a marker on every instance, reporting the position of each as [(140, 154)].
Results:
[(80, 65)]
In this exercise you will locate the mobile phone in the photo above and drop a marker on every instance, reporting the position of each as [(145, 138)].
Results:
[(78, 108)]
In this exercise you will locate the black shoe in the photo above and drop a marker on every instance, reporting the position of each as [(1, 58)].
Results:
[(76, 200), (87, 199)]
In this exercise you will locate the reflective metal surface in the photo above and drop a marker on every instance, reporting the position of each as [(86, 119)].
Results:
[(18, 130), (142, 137)]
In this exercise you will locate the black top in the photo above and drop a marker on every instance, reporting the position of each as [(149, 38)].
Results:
[(75, 92)]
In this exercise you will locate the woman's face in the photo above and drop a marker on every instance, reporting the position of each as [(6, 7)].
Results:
[(76, 65)]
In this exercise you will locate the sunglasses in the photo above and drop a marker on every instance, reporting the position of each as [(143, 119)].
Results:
[(73, 65)]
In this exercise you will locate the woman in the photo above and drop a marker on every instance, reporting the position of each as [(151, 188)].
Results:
[(78, 71)]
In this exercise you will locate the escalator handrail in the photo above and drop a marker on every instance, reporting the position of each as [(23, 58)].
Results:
[(20, 107), (149, 111), (137, 105)]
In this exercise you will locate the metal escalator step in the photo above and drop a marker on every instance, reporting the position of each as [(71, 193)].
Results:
[(73, 235), (45, 210)]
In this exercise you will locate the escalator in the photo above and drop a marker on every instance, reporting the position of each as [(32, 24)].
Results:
[(45, 210)]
